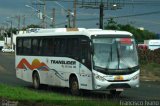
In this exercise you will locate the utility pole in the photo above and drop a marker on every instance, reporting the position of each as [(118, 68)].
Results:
[(44, 14), (102, 5), (5, 34), (24, 24), (10, 21), (11, 36), (75, 13), (43, 4), (101, 14), (53, 18), (69, 18), (19, 20)]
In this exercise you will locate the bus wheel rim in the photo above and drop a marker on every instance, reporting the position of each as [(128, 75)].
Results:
[(35, 82), (74, 86)]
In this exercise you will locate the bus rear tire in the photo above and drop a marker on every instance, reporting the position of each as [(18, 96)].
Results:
[(36, 81), (74, 86)]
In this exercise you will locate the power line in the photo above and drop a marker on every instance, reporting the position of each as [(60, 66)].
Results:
[(125, 1), (149, 13), (105, 2), (124, 16), (59, 24)]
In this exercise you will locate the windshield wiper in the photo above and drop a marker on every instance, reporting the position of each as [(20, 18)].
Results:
[(134, 68), (118, 55), (103, 70), (111, 53)]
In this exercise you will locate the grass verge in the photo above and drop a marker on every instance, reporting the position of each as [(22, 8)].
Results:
[(27, 97), (150, 71)]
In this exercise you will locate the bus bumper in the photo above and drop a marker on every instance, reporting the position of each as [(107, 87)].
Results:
[(103, 82)]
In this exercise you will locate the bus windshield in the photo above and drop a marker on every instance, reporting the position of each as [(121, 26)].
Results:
[(114, 53)]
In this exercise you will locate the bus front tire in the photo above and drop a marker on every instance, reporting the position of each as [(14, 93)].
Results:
[(36, 81), (74, 87)]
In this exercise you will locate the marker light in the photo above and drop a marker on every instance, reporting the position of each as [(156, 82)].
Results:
[(125, 41)]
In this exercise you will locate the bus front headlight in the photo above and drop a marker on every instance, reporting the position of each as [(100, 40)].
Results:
[(98, 77), (135, 77)]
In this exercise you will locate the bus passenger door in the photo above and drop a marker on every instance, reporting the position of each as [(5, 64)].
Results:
[(85, 65)]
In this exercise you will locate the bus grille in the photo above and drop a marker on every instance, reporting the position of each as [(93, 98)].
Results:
[(117, 80), (113, 86)]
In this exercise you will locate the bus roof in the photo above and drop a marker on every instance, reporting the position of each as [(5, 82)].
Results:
[(74, 31)]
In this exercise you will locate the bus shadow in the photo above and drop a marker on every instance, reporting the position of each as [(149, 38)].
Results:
[(88, 95)]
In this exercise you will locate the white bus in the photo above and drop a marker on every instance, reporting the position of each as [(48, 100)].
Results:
[(90, 59)]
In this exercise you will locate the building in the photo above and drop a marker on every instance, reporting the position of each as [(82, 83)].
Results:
[(1, 44), (152, 44)]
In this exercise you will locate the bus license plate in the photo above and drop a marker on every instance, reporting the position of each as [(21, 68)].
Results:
[(118, 78), (119, 89)]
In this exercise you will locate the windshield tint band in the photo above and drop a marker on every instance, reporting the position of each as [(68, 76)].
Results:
[(111, 36), (116, 71)]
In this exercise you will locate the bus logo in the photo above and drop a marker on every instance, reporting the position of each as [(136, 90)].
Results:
[(36, 64)]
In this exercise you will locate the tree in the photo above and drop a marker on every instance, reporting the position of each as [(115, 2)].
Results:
[(140, 35), (111, 25), (13, 31), (33, 26), (1, 38)]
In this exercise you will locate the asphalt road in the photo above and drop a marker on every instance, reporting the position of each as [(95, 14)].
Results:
[(147, 90), (7, 70)]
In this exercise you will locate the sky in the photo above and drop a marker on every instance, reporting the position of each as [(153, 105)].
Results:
[(144, 14)]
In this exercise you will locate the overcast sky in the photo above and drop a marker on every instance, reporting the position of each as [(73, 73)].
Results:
[(12, 8)]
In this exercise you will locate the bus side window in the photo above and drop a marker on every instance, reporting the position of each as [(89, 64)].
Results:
[(56, 47), (27, 46), (35, 47), (47, 47), (40, 47), (73, 48), (19, 46), (85, 53), (63, 47), (60, 47)]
